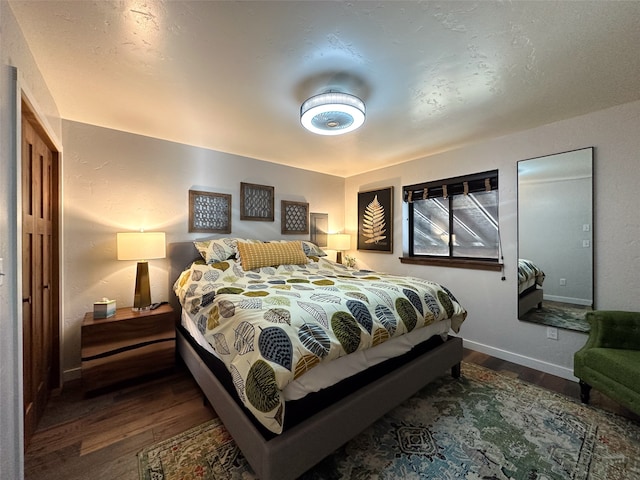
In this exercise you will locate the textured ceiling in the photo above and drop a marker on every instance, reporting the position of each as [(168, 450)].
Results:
[(231, 76)]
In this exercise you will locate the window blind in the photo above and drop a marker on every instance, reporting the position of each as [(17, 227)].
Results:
[(478, 182)]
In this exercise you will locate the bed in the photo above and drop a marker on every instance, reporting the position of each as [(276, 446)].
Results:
[(530, 292), (290, 435)]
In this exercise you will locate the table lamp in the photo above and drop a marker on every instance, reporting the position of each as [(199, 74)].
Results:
[(339, 242), (141, 246)]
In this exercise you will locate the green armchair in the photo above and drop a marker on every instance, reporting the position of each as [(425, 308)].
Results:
[(610, 360)]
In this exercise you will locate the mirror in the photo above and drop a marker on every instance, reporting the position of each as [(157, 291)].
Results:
[(555, 239)]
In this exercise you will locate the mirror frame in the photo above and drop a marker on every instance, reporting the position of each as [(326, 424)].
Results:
[(567, 316)]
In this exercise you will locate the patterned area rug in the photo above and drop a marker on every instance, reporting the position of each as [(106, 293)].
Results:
[(482, 426), (561, 315)]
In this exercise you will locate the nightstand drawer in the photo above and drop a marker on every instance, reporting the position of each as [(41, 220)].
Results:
[(126, 365), (126, 346)]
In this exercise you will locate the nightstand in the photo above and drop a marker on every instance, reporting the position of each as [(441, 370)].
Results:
[(126, 346)]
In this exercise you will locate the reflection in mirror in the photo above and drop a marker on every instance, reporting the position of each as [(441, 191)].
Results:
[(555, 235)]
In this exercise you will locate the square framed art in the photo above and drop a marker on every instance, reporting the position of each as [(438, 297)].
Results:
[(295, 218), (209, 212), (256, 202), (375, 220)]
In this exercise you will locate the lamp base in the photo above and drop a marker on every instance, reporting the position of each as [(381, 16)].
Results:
[(142, 293), (339, 258)]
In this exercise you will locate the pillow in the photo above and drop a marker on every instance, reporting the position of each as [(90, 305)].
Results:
[(217, 250), (312, 250), (220, 249), (257, 255)]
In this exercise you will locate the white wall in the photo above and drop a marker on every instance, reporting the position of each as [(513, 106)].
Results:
[(492, 325), (17, 69), (116, 181)]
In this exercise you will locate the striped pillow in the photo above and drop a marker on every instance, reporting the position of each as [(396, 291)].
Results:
[(257, 255)]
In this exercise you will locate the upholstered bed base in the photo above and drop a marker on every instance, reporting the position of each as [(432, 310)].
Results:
[(529, 299), (304, 444), (290, 454)]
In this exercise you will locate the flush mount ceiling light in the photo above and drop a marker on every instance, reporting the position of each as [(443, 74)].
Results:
[(332, 113)]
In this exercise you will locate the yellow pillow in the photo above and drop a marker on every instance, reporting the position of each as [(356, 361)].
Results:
[(256, 255)]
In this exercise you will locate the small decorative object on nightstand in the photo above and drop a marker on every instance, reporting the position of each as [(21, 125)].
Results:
[(127, 345), (350, 261), (104, 308)]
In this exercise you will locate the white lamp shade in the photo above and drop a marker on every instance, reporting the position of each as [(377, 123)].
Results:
[(141, 245), (339, 242)]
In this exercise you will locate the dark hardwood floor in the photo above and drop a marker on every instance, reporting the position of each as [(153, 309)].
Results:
[(98, 438)]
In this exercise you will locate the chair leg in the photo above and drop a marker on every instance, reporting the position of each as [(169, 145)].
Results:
[(585, 390), (455, 371)]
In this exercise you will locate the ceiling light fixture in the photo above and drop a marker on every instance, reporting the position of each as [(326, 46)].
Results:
[(332, 113)]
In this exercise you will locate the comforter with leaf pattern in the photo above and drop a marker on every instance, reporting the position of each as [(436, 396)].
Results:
[(271, 325), (529, 274)]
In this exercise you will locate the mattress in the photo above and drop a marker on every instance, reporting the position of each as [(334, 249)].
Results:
[(330, 373)]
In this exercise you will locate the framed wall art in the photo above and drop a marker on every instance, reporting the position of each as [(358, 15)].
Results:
[(256, 202), (295, 218), (209, 212), (375, 220), (319, 228)]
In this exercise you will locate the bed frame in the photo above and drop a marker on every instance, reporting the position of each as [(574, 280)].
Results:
[(529, 299), (288, 455)]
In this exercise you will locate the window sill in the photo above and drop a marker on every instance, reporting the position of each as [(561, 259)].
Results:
[(454, 263)]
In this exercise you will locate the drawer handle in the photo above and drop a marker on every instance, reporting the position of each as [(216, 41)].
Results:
[(27, 300)]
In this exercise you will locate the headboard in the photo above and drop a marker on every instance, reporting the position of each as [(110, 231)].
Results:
[(180, 255)]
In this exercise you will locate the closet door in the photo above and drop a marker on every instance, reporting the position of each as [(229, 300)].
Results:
[(37, 267)]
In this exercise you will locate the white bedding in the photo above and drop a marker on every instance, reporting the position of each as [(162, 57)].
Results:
[(329, 373)]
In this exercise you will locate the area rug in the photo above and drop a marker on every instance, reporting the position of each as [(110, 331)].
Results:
[(561, 315), (482, 426)]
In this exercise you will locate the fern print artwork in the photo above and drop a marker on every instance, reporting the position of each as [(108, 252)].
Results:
[(375, 220), (373, 226)]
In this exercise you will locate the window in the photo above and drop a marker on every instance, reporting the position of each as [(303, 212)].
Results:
[(454, 221)]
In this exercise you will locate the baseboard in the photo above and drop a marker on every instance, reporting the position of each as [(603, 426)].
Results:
[(575, 301), (72, 374), (545, 367)]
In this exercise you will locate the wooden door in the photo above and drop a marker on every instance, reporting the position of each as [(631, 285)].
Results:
[(39, 284)]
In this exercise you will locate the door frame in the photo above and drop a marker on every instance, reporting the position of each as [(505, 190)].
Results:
[(23, 96)]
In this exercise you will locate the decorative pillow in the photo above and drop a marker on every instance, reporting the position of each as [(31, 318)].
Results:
[(216, 250), (220, 249), (257, 255), (312, 250)]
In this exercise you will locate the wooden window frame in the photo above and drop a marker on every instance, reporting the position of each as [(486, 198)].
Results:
[(435, 189)]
